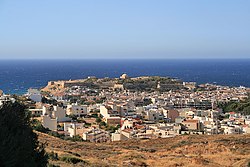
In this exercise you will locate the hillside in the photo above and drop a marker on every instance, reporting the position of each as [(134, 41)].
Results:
[(186, 151), (149, 83)]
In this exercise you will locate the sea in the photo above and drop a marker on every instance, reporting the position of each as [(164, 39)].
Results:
[(17, 76)]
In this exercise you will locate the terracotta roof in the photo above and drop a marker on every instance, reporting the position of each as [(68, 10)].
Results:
[(191, 121), (127, 130)]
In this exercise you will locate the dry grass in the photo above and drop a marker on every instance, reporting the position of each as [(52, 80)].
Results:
[(188, 151)]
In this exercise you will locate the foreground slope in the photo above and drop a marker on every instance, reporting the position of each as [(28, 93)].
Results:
[(190, 151)]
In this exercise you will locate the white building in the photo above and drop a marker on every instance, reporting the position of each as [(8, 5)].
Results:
[(124, 76), (35, 95), (74, 129), (50, 123), (56, 112), (232, 129), (5, 99), (51, 115), (120, 136), (75, 109), (36, 112), (95, 135), (105, 111), (154, 115)]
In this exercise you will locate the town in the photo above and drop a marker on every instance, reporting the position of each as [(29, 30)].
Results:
[(146, 107)]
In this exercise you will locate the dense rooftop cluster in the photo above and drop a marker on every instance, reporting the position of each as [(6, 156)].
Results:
[(114, 109)]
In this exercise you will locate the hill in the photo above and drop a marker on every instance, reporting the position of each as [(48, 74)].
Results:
[(146, 83), (188, 151)]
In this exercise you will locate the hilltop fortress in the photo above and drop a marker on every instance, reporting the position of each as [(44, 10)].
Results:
[(143, 83)]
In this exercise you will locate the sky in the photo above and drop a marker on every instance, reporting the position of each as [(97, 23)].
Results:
[(124, 29)]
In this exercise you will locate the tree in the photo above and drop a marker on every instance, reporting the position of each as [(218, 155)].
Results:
[(102, 123), (18, 143), (112, 129), (242, 107), (49, 101), (37, 125), (98, 120)]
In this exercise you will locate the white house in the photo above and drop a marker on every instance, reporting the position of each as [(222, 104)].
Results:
[(35, 95), (56, 112), (6, 98), (95, 135), (104, 111), (153, 115), (119, 136), (49, 122), (74, 129), (75, 109)]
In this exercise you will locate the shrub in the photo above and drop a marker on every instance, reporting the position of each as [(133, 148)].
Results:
[(72, 160), (112, 129), (55, 134), (98, 120), (75, 154), (53, 156), (102, 123), (75, 138), (36, 125), (53, 165), (151, 150)]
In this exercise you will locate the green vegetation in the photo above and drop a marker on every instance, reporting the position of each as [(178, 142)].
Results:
[(18, 142), (72, 116), (56, 134), (150, 84), (147, 102), (53, 156), (37, 125), (72, 160), (76, 138), (112, 129), (101, 124), (63, 137), (52, 165), (98, 120), (49, 101), (94, 115), (242, 107), (73, 153)]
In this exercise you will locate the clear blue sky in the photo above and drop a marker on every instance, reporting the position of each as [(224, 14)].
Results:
[(124, 29)]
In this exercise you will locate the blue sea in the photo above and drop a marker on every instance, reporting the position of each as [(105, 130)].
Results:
[(16, 76)]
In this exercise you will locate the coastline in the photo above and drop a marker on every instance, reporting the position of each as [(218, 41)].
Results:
[(36, 73)]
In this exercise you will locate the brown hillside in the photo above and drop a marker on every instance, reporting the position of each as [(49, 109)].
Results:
[(189, 151)]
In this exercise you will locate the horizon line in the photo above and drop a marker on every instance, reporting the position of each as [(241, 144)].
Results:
[(11, 59)]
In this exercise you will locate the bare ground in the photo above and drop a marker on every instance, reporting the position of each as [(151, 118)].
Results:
[(188, 151)]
